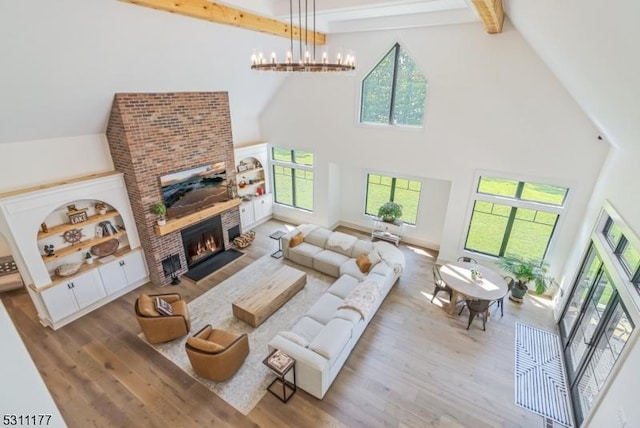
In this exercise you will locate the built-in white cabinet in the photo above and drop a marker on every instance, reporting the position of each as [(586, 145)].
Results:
[(123, 272), (263, 207), (247, 215), (68, 297)]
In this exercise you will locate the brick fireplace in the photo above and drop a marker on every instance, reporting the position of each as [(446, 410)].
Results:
[(154, 134)]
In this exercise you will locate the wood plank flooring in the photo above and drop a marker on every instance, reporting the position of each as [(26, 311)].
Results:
[(414, 366)]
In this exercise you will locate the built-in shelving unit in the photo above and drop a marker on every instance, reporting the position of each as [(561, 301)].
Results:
[(60, 229), (43, 216), (80, 246), (253, 185)]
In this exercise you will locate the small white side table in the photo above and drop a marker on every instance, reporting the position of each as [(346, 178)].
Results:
[(391, 232)]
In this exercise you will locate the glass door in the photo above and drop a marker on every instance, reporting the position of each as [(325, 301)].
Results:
[(603, 352), (583, 285), (594, 327), (588, 322)]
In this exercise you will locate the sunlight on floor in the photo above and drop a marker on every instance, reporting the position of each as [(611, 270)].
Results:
[(436, 302), (540, 301), (420, 252)]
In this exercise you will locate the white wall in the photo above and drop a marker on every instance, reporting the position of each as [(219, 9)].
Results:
[(492, 105), (592, 49), (30, 163), (62, 66)]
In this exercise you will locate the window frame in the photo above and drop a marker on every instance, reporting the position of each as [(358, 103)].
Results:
[(394, 82), (393, 180), (512, 202), (293, 165)]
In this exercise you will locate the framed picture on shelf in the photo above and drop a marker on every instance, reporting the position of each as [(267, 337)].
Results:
[(99, 231)]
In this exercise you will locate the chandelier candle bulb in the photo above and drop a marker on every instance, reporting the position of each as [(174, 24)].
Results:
[(303, 59)]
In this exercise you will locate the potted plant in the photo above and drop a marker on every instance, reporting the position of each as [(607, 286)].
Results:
[(526, 271), (88, 258), (160, 210), (390, 211)]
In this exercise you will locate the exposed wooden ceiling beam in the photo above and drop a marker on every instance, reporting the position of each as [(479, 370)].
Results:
[(221, 14), (491, 14)]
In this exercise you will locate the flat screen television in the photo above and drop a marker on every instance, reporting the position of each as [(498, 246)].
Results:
[(185, 192)]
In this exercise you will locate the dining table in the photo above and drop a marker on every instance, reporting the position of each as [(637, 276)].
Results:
[(487, 285)]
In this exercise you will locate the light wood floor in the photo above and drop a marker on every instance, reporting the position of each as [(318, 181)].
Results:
[(414, 366)]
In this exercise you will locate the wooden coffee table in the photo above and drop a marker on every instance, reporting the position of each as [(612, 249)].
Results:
[(269, 295)]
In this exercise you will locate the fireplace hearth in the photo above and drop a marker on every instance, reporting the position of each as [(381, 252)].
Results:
[(202, 241)]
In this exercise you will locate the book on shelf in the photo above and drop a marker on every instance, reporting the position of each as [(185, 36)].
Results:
[(280, 361)]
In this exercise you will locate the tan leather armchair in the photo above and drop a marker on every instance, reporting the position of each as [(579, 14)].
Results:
[(217, 354), (159, 328)]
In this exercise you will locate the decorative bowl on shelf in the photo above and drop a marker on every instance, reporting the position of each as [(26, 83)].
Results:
[(68, 269), (105, 248)]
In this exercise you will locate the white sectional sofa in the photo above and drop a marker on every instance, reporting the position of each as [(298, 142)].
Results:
[(322, 339)]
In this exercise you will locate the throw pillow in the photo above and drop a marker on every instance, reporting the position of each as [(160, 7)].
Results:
[(363, 263), (146, 307), (296, 240), (163, 307), (204, 345), (374, 257)]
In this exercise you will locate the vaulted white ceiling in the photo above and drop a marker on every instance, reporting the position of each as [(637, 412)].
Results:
[(62, 65)]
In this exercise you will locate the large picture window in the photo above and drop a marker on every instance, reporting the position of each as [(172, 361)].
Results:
[(394, 92), (381, 189), (293, 177), (514, 218)]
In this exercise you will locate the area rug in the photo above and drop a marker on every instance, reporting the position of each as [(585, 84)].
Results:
[(245, 389), (540, 381)]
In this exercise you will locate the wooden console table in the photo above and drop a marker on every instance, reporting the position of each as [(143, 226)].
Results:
[(270, 294)]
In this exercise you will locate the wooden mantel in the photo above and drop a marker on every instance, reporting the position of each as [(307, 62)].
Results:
[(186, 221)]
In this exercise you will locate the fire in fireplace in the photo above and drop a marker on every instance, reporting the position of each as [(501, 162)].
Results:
[(202, 240)]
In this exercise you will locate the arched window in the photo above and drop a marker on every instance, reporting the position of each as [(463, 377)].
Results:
[(394, 92)]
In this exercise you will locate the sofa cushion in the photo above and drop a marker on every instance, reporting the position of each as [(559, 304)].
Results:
[(341, 243), (332, 339), (382, 269), (361, 247), (349, 314), (318, 237), (351, 268), (374, 257), (363, 263), (324, 308), (296, 240), (295, 338), (329, 262), (343, 286), (308, 328), (304, 253)]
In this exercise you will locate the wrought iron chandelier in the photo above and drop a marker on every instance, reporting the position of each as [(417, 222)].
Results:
[(306, 60)]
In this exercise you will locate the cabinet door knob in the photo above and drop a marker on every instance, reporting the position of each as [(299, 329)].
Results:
[(69, 285), (122, 263), (72, 285)]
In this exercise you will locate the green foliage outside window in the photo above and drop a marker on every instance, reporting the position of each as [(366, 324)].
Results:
[(293, 177), (394, 92), (503, 229), (382, 189)]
